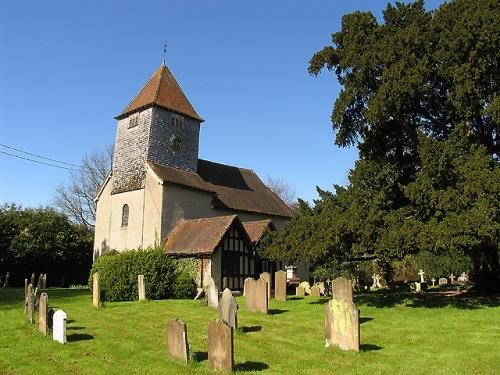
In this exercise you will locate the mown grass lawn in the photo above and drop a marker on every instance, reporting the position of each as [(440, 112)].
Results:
[(400, 334)]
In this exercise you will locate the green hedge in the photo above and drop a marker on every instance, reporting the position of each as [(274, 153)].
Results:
[(164, 276)]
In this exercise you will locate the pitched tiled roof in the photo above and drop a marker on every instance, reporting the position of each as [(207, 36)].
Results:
[(255, 229), (234, 188), (162, 90), (198, 236)]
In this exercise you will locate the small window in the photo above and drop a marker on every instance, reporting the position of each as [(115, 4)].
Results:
[(125, 215), (177, 121), (133, 120)]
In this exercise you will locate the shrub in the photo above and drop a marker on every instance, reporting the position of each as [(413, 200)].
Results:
[(162, 275)]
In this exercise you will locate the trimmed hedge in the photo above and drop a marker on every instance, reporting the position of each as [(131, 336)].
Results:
[(164, 276)]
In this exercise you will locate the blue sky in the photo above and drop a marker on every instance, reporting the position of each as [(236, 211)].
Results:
[(68, 67)]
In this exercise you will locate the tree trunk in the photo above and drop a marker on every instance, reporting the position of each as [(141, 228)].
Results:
[(486, 274)]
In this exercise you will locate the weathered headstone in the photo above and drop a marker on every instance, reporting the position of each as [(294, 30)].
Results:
[(421, 274), (6, 282), (244, 284), (30, 304), (177, 341), (43, 313), (463, 279), (266, 276), (96, 291), (433, 282), (228, 308), (25, 288), (300, 291), (280, 286), (376, 281), (32, 281), (220, 346), (39, 285), (342, 324), (256, 297), (418, 287), (342, 289), (443, 281), (44, 281), (212, 294), (306, 286), (140, 287), (315, 291), (59, 326), (322, 288), (452, 278)]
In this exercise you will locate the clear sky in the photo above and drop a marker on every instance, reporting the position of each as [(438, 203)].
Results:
[(68, 67)]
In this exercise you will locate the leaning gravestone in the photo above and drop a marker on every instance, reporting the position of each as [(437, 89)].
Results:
[(212, 294), (30, 304), (96, 291), (140, 287), (300, 291), (177, 342), (315, 291), (342, 288), (443, 281), (59, 326), (280, 286), (43, 313), (306, 286), (256, 297), (342, 324), (266, 276), (220, 346), (228, 308)]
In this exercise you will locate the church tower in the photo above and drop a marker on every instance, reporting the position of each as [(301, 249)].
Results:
[(159, 125)]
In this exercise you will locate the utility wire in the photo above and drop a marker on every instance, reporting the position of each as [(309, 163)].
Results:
[(39, 156), (41, 162)]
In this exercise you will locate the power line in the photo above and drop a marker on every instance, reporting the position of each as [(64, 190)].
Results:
[(39, 156), (41, 162)]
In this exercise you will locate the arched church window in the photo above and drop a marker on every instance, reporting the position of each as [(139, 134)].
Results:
[(125, 215)]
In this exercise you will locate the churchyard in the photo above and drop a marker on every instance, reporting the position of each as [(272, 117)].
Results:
[(400, 332)]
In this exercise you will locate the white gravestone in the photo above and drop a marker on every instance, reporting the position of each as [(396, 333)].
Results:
[(141, 288), (212, 294), (422, 273), (59, 326), (433, 282), (452, 278)]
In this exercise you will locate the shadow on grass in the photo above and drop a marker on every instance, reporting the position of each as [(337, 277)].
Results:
[(67, 321), (320, 301), (79, 337), (370, 347), (251, 366), (294, 298), (75, 328), (250, 329), (199, 356), (386, 298), (364, 319), (276, 311)]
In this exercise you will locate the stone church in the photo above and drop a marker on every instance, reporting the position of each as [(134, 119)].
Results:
[(159, 193)]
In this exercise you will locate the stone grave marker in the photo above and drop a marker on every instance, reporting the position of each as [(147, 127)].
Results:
[(266, 276), (342, 289), (433, 282), (244, 284), (44, 281), (140, 287), (300, 291), (306, 286), (39, 285), (322, 288), (443, 281), (30, 304), (32, 281), (212, 294), (96, 291), (220, 345), (418, 287), (228, 308), (43, 313), (256, 298), (177, 341), (6, 282), (421, 274), (59, 326), (315, 291), (280, 286), (463, 279), (25, 288), (342, 325)]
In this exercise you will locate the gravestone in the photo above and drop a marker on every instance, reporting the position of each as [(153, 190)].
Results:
[(433, 282), (32, 281), (39, 285), (322, 288), (421, 274), (220, 346), (342, 325), (418, 287), (140, 287), (306, 286), (43, 313), (300, 291), (452, 278), (228, 308), (59, 326), (212, 294), (280, 286), (342, 289), (25, 288), (44, 281), (463, 279), (266, 276), (256, 298), (244, 283), (30, 304), (6, 282), (177, 342), (376, 281), (315, 291), (443, 281), (96, 291)]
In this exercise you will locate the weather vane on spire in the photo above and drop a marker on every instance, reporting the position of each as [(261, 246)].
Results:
[(165, 53)]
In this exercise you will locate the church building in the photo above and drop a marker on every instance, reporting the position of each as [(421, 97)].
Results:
[(159, 193)]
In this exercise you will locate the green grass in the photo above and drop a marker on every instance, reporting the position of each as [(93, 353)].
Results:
[(400, 334)]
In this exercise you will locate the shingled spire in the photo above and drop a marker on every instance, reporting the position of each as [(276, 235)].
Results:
[(161, 90)]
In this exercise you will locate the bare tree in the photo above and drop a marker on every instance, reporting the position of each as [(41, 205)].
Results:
[(282, 189), (75, 197)]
